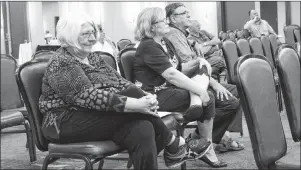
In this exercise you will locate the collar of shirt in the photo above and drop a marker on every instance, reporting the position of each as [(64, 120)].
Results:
[(185, 32)]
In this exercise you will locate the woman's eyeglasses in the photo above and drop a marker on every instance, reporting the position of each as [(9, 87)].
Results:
[(88, 34)]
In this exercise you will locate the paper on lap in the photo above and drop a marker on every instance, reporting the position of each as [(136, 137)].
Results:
[(163, 114)]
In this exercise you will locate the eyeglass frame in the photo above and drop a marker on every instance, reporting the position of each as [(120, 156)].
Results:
[(88, 34), (182, 13)]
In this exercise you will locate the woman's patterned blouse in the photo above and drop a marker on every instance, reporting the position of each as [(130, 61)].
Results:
[(67, 82)]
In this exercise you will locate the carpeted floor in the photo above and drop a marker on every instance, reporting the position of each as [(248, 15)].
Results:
[(15, 156)]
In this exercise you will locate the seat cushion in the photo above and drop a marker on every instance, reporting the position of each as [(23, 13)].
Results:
[(11, 118), (20, 109), (101, 148)]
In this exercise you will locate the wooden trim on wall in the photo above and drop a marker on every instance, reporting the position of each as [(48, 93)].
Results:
[(220, 6), (288, 13)]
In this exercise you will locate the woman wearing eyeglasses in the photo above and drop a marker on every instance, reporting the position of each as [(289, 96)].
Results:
[(84, 99), (158, 71)]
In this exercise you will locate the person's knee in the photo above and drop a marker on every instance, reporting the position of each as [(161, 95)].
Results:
[(143, 130)]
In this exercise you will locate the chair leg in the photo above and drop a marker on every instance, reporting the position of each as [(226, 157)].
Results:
[(47, 161), (100, 165), (30, 143)]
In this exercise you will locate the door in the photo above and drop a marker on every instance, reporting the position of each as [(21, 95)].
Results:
[(268, 12), (18, 25), (236, 14)]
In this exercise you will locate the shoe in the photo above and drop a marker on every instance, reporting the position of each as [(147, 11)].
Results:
[(176, 159), (226, 146), (197, 148), (217, 164)]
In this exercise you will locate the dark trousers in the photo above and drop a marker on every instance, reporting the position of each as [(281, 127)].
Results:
[(226, 112), (143, 136), (176, 99)]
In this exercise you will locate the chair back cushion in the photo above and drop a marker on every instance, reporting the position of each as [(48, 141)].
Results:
[(126, 57), (10, 96), (256, 46), (288, 67), (231, 55), (274, 43), (121, 44), (289, 33), (29, 78), (297, 35), (43, 55), (267, 49), (260, 108), (243, 47), (109, 59)]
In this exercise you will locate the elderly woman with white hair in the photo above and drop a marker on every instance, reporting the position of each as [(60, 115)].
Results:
[(157, 70), (84, 99)]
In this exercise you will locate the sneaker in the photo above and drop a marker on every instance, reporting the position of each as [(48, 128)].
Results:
[(197, 148), (173, 160)]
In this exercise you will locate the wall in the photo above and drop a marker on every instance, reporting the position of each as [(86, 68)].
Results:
[(35, 17), (281, 19), (3, 51), (50, 10), (295, 12), (205, 13)]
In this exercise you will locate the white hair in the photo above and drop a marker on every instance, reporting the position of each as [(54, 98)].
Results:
[(68, 29)]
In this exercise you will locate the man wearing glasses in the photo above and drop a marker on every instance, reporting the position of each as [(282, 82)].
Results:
[(189, 52)]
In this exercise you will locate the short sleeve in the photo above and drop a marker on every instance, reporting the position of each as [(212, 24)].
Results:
[(156, 59)]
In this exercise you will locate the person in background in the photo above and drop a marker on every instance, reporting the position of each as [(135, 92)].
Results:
[(209, 45), (257, 26), (105, 44), (48, 36), (226, 101), (84, 99)]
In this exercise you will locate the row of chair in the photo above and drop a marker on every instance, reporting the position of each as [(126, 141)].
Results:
[(255, 77), (265, 46), (13, 112)]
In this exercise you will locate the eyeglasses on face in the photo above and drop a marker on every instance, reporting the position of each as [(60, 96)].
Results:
[(88, 34), (163, 20), (182, 13)]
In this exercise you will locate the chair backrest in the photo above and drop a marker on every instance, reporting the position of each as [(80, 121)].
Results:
[(126, 57), (109, 59), (131, 45), (288, 67), (274, 43), (29, 78), (289, 33), (260, 107), (43, 55), (231, 55), (10, 96), (256, 46), (47, 47), (243, 47), (267, 49), (297, 35), (121, 44)]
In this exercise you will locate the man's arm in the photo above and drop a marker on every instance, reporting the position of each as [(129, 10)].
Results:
[(270, 29)]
